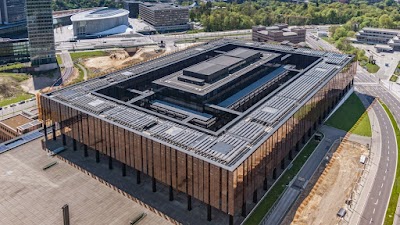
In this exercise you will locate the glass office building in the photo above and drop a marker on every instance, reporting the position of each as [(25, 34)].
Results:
[(40, 32), (213, 122), (12, 11), (14, 50)]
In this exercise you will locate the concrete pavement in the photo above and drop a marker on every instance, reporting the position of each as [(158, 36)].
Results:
[(300, 181)]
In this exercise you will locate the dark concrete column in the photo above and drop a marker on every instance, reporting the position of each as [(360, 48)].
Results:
[(265, 184), (154, 184), (230, 220), (171, 193), (54, 131), (97, 156), (303, 139), (290, 154), (208, 212), (283, 164), (189, 203), (244, 209), (65, 209), (45, 131), (64, 139), (274, 175), (74, 146), (297, 147), (110, 163), (123, 169), (255, 196), (85, 151), (137, 177)]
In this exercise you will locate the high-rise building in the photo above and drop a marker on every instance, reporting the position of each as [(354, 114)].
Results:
[(40, 34), (12, 11)]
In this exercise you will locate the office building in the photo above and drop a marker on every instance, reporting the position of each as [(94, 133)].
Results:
[(384, 39), (132, 7), (41, 34), (96, 21), (19, 124), (213, 122), (14, 50), (165, 16), (278, 33), (12, 11)]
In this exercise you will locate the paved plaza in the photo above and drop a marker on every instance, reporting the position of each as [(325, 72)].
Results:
[(31, 195)]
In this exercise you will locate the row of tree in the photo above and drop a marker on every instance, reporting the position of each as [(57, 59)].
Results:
[(227, 16), (78, 4)]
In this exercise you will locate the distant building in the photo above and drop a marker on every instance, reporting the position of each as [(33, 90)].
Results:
[(165, 16), (12, 11), (19, 124), (278, 33), (380, 37), (14, 50), (41, 34), (98, 20), (132, 7)]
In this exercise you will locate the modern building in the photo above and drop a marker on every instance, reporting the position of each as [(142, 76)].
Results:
[(132, 7), (41, 34), (98, 20), (12, 11), (384, 39), (14, 50), (165, 16), (278, 33), (19, 124), (213, 122)]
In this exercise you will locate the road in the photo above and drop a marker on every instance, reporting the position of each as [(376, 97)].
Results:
[(68, 65), (376, 205), (319, 44)]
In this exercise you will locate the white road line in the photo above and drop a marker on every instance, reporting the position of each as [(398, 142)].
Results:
[(373, 212), (380, 193)]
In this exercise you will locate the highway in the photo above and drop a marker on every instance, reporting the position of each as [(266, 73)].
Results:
[(376, 205)]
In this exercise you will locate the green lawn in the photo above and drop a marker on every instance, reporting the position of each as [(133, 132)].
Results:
[(274, 193), (347, 116), (389, 217), (372, 68), (59, 60), (87, 54), (18, 98), (328, 39), (12, 66), (393, 78), (80, 76), (19, 77)]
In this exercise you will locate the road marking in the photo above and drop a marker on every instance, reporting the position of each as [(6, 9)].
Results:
[(373, 212), (376, 202), (370, 221), (379, 193)]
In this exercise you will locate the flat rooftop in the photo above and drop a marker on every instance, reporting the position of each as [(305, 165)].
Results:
[(99, 13), (16, 121), (31, 195), (219, 121)]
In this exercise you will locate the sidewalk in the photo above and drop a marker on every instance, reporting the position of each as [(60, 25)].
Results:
[(362, 191)]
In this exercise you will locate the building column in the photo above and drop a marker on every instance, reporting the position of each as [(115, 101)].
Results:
[(230, 220), (189, 203), (123, 169), (154, 184), (74, 144), (45, 131), (110, 163), (208, 212), (297, 147), (64, 139), (137, 177), (171, 193), (290, 154), (283, 164), (244, 209), (97, 156), (54, 131), (255, 196), (274, 175), (265, 184), (85, 151)]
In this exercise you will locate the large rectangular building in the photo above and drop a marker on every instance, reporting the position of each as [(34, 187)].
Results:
[(279, 33), (165, 16), (14, 50), (213, 122), (41, 34), (383, 38)]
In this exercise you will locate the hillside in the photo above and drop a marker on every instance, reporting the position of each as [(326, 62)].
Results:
[(75, 4)]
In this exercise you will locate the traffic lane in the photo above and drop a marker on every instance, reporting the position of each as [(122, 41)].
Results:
[(375, 209), (392, 103)]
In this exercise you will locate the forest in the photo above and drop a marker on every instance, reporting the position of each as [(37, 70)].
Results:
[(77, 4)]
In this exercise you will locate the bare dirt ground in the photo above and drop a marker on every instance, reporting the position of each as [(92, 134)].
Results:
[(118, 59), (329, 188), (8, 87)]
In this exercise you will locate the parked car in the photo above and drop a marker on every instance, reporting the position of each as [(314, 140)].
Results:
[(12, 105), (21, 102)]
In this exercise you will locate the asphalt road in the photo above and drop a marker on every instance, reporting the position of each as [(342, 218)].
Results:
[(376, 205)]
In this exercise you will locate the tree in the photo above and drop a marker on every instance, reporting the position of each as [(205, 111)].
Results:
[(385, 21)]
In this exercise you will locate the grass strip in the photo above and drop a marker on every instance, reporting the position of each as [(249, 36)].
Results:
[(280, 185), (394, 196), (18, 98), (88, 54)]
